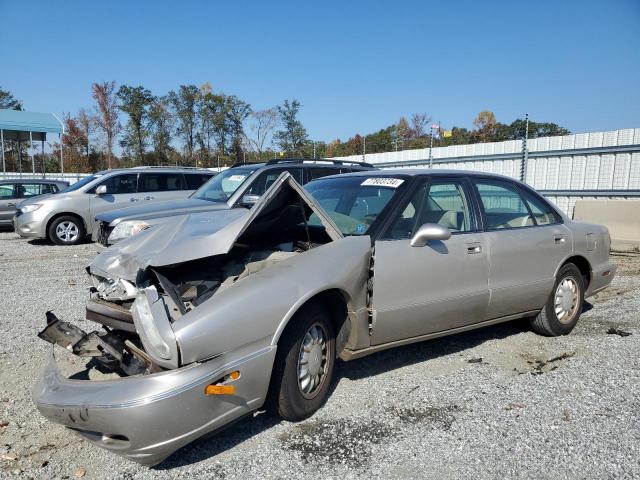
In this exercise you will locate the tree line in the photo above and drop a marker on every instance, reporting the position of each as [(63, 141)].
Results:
[(197, 126)]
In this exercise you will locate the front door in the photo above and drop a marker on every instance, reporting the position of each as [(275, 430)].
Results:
[(121, 193), (443, 285)]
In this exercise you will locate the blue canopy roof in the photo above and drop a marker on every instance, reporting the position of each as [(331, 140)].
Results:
[(17, 121)]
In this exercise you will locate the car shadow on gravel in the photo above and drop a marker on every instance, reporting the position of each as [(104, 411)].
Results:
[(372, 365), (399, 357)]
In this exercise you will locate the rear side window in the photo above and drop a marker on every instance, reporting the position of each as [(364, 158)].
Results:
[(196, 180), (266, 179), (503, 206), (542, 212), (160, 182), (119, 184), (6, 192), (321, 172)]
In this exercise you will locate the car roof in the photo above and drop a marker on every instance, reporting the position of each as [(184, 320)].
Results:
[(31, 180), (306, 163), (413, 172), (156, 169)]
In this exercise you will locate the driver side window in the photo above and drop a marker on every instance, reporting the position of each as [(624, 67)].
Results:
[(442, 202)]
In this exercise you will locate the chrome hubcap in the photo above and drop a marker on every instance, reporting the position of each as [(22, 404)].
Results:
[(313, 361), (566, 300), (67, 231)]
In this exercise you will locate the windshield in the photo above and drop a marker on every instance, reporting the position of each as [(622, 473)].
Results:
[(76, 186), (353, 203), (223, 185)]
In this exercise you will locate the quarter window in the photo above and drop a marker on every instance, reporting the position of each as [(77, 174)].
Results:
[(440, 202), (541, 210), (503, 205), (33, 189)]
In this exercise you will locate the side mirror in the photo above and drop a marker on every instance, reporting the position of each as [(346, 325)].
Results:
[(249, 200), (101, 190), (430, 231)]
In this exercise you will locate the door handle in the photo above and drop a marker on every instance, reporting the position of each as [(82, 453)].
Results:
[(134, 199), (149, 198), (11, 205), (474, 248), (559, 239)]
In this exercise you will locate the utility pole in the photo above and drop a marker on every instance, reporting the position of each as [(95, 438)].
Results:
[(525, 150), (314, 150), (431, 148), (364, 147)]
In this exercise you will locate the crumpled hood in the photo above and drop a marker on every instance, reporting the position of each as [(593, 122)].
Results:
[(167, 208), (173, 241), (199, 235)]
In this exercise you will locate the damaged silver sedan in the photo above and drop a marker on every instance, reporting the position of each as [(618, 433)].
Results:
[(207, 317)]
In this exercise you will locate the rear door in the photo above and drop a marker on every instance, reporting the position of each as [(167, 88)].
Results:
[(121, 192), (443, 285), (526, 245), (158, 186), (8, 201)]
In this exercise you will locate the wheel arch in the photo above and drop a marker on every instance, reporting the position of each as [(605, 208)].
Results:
[(339, 304), (64, 214), (582, 264)]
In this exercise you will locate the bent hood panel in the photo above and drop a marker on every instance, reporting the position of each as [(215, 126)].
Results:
[(161, 209), (200, 235)]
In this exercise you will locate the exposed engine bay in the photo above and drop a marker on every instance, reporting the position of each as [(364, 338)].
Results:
[(280, 231)]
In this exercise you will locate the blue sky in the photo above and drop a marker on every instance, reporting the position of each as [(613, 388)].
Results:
[(355, 66)]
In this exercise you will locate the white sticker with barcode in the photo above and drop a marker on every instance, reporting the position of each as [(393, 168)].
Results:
[(237, 178), (382, 182)]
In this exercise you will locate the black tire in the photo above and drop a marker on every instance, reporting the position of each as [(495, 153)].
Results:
[(76, 234), (285, 394), (547, 322)]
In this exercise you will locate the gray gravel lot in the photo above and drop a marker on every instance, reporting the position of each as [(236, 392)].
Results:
[(500, 402)]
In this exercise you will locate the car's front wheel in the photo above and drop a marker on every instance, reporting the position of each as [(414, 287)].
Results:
[(304, 364), (563, 308), (66, 230)]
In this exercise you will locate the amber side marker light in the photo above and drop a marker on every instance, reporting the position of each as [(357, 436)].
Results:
[(220, 390), (221, 387)]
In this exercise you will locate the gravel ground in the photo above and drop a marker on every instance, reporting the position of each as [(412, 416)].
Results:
[(500, 402)]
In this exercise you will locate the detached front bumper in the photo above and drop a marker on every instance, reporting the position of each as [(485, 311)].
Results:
[(147, 417)]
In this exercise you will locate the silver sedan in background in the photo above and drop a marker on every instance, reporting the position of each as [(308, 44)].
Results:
[(212, 315)]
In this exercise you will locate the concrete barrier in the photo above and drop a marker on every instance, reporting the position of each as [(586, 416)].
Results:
[(622, 218)]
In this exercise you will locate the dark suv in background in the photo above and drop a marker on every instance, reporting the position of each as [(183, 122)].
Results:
[(240, 186)]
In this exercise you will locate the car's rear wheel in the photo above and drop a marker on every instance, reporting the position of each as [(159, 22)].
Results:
[(66, 230), (562, 310), (304, 364)]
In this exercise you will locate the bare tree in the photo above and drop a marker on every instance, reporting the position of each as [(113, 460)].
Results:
[(263, 123), (418, 123), (86, 123), (106, 113)]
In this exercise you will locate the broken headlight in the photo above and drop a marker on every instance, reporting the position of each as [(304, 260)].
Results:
[(127, 229), (155, 344)]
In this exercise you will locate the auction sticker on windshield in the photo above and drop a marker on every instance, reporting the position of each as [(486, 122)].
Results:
[(382, 182), (237, 178)]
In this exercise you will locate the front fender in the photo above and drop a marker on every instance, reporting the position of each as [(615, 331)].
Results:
[(259, 306)]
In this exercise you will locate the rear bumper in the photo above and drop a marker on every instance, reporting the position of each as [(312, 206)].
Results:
[(601, 278), (146, 418)]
